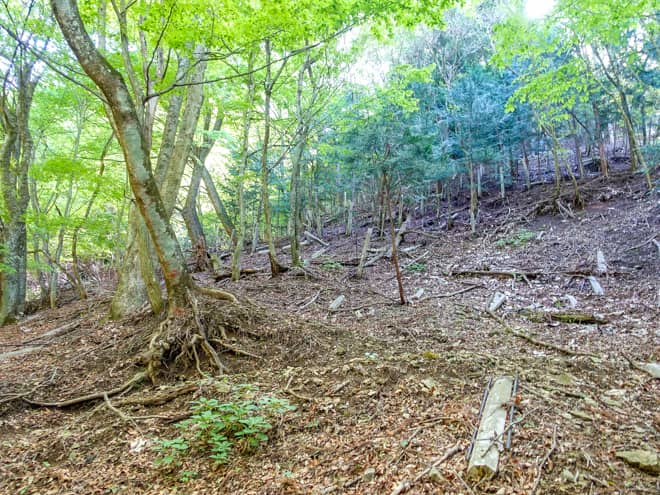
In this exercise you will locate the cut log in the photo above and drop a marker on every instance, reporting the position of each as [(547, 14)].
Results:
[(595, 286), (334, 305), (312, 237), (601, 264), (565, 317), (365, 250), (496, 273), (496, 301), (388, 252), (485, 453)]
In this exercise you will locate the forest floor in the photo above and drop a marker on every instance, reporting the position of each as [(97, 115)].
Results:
[(381, 390)]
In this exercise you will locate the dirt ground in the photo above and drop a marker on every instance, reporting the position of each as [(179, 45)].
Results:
[(382, 391)]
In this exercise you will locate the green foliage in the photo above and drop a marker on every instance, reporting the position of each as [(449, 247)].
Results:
[(216, 428), (521, 238), (416, 267), (330, 264)]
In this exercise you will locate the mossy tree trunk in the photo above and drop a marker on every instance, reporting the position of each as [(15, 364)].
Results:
[(15, 159)]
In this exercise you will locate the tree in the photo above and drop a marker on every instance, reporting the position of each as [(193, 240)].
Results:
[(18, 86)]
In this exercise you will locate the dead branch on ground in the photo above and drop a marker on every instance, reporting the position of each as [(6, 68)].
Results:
[(540, 343), (544, 461), (137, 378)]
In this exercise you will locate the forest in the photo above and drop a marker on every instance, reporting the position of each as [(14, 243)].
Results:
[(330, 246)]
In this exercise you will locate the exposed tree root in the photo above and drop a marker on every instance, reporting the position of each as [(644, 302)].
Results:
[(216, 293), (244, 271), (137, 378)]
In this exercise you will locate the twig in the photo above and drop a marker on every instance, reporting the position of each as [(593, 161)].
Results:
[(543, 462), (137, 378), (451, 294), (540, 343), (458, 477), (123, 416), (405, 485), (311, 301), (637, 246), (236, 350), (406, 445)]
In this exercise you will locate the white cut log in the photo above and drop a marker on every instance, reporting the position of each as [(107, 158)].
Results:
[(485, 452), (365, 250), (312, 237), (334, 305), (496, 302), (595, 286), (601, 264)]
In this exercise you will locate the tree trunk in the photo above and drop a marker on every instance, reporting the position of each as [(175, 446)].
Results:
[(525, 165), (138, 282), (474, 200), (189, 210), (15, 159), (600, 139), (136, 154), (240, 188), (296, 162), (275, 267), (395, 251), (576, 147)]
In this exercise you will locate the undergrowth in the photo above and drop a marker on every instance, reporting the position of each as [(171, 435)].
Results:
[(216, 428), (521, 238)]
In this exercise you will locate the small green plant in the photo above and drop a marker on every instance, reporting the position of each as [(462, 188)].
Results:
[(216, 428), (187, 475), (416, 267), (171, 451), (331, 265), (521, 238)]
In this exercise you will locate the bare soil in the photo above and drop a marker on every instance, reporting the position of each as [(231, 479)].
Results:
[(382, 390)]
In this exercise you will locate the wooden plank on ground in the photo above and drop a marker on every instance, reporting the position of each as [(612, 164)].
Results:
[(485, 452)]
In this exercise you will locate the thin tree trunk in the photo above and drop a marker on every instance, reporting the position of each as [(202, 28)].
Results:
[(601, 142), (525, 165), (245, 142), (275, 267), (395, 251)]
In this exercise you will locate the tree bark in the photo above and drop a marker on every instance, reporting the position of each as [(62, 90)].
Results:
[(136, 153), (15, 159), (601, 142), (275, 267)]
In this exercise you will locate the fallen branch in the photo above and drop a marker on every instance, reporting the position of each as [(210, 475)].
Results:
[(158, 399), (544, 461), (496, 273), (642, 244), (540, 343), (216, 293), (405, 485), (137, 378), (565, 317), (452, 294), (388, 252), (312, 237), (426, 234), (311, 301), (236, 350), (245, 271)]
